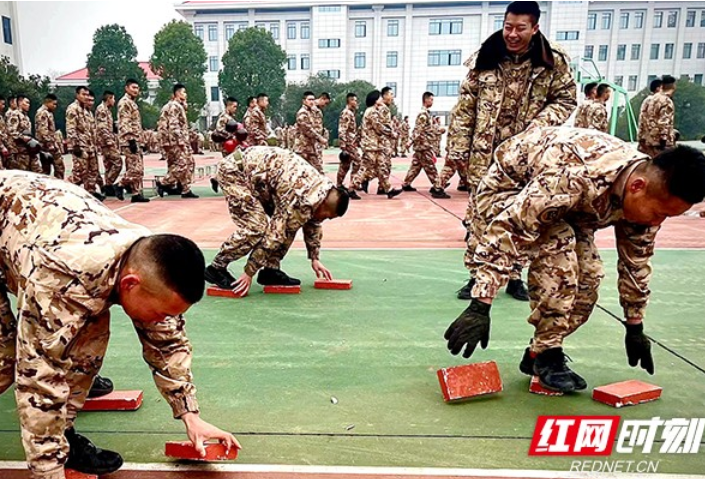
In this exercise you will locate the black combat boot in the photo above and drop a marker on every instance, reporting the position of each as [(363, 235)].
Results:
[(517, 290), (274, 276), (220, 277), (85, 457), (551, 366)]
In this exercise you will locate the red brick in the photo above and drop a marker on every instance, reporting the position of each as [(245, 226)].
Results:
[(185, 451), (282, 289), (467, 381), (127, 400), (631, 392), (333, 284), (69, 473), (536, 387), (222, 292)]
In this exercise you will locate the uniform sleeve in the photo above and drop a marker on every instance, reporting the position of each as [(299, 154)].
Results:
[(635, 247), (304, 126), (313, 235), (561, 98), (220, 127), (176, 132), (379, 125), (261, 129), (167, 351), (105, 131), (422, 132), (664, 122), (601, 120), (128, 124), (41, 127), (462, 119), (14, 131), (346, 131)]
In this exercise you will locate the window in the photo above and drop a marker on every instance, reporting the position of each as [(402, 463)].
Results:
[(212, 33), (498, 23), (602, 55), (621, 52), (701, 50), (329, 8), (624, 21), (392, 59), (639, 20), (305, 31), (360, 29), (229, 31), (274, 30), (632, 82), (291, 31), (690, 18), (305, 62), (393, 86), (668, 51), (672, 19), (334, 74), (569, 35), (592, 21), (241, 26), (393, 28), (443, 58), (214, 119), (443, 88), (329, 43), (291, 62), (606, 23), (650, 79), (698, 79), (619, 80), (213, 64), (685, 77), (261, 25), (655, 48), (636, 51), (687, 50), (702, 18), (215, 94), (589, 51), (7, 30), (197, 29), (360, 60), (658, 19), (446, 27)]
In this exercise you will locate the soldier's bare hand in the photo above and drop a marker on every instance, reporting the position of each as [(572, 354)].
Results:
[(321, 271), (200, 431), (242, 285)]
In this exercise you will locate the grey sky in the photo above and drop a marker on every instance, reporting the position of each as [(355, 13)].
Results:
[(56, 37)]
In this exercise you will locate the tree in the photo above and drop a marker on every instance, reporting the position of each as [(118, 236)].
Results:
[(112, 61), (253, 64), (179, 57), (35, 87)]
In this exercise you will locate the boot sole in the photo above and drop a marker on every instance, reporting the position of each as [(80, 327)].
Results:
[(97, 471)]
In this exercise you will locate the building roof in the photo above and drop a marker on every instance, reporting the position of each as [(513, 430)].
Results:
[(82, 74)]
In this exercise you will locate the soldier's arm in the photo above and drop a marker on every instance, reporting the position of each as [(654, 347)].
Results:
[(167, 351), (220, 127), (561, 98), (344, 132), (261, 132), (13, 128), (602, 119), (313, 235), (664, 121), (41, 127), (173, 119), (304, 126), (379, 125), (635, 247), (422, 131), (462, 119)]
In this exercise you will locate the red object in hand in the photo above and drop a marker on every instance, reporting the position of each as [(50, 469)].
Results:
[(230, 145), (186, 451)]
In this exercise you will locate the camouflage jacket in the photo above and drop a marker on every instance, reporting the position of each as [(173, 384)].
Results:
[(45, 129), (596, 117), (222, 122), (581, 120), (256, 126), (569, 174), (176, 124), (18, 124), (547, 99), (60, 254), (373, 130), (347, 130), (404, 129), (286, 185), (641, 132), (129, 121), (657, 120), (3, 131), (423, 134), (105, 126), (309, 131), (387, 139)]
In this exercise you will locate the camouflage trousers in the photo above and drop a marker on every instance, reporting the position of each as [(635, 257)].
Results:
[(345, 166), (650, 150), (403, 145), (449, 168), (51, 390), (135, 170), (314, 158), (374, 164), (180, 166), (24, 161), (53, 160), (112, 163), (422, 160), (84, 171)]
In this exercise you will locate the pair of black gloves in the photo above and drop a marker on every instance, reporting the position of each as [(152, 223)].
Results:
[(473, 327), (132, 145)]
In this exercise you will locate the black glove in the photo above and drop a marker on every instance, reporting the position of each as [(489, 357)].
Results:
[(115, 128), (471, 327), (662, 143), (77, 151), (133, 146), (33, 144), (344, 156), (638, 347)]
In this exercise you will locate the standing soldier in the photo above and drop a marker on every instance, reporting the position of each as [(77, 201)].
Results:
[(654, 87), (256, 122), (309, 135), (108, 144), (348, 143), (422, 137), (596, 116), (45, 130), (221, 133), (4, 152), (129, 131), (396, 128), (657, 119), (388, 137), (11, 106), (321, 103), (22, 146), (404, 140), (581, 120)]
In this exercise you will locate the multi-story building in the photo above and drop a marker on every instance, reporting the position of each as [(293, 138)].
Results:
[(419, 46), (10, 44)]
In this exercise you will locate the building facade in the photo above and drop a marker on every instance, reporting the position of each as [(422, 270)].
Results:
[(414, 47), (10, 42)]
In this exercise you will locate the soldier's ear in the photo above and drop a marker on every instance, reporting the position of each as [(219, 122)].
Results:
[(129, 281), (637, 184)]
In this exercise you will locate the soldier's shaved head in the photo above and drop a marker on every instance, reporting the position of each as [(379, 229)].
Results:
[(334, 205)]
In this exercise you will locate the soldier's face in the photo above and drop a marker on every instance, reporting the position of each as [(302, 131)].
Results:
[(310, 101), (650, 206), (2, 105), (263, 102), (51, 106), (82, 97), (110, 102), (181, 95), (353, 103), (24, 105), (388, 98), (232, 108), (518, 31), (132, 90)]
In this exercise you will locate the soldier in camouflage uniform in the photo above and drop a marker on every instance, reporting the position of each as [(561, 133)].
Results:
[(45, 131), (67, 259), (422, 137), (309, 132), (404, 142), (590, 91), (256, 122), (4, 152), (348, 141), (545, 196), (81, 140), (657, 120), (655, 87), (129, 133), (11, 105), (451, 165), (20, 141), (595, 113), (108, 144), (271, 194), (518, 80)]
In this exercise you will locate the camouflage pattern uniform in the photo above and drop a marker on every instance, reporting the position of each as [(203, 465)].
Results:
[(581, 120), (375, 136), (220, 130), (656, 125), (309, 136), (3, 141), (18, 125), (422, 136), (60, 254), (107, 142), (80, 133), (256, 126), (45, 131), (453, 163), (291, 137), (396, 128), (404, 138), (271, 194), (348, 138), (181, 170), (546, 194), (596, 117), (130, 128)]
